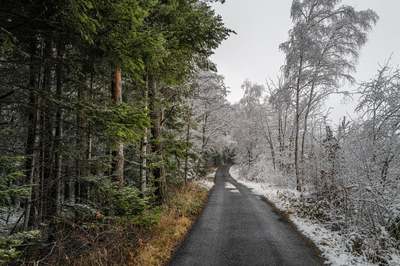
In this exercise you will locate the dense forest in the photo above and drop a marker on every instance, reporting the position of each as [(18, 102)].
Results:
[(103, 111)]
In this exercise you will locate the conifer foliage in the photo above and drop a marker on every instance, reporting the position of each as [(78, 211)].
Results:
[(92, 103)]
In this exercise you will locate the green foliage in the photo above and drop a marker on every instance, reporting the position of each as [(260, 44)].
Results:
[(7, 45), (114, 200), (80, 19), (123, 122), (191, 30), (57, 57), (127, 201), (148, 218), (10, 178), (9, 245)]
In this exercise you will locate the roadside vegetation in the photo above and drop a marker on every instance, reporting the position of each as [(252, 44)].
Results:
[(145, 239)]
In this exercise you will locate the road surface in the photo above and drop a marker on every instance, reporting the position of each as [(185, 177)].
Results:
[(238, 228)]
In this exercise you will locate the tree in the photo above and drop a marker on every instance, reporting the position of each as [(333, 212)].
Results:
[(322, 51)]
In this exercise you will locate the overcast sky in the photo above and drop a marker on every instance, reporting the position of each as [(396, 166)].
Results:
[(261, 25)]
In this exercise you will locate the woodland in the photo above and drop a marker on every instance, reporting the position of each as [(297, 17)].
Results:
[(344, 176), (110, 109), (98, 100)]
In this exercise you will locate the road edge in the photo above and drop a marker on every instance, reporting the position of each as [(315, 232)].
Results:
[(189, 231)]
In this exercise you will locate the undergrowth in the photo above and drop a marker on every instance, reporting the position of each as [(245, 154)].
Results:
[(145, 239)]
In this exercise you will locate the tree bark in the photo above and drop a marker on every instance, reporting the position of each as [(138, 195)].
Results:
[(268, 136), (297, 124), (189, 115), (156, 148), (59, 187), (303, 138), (118, 149), (49, 182), (144, 144), (30, 151)]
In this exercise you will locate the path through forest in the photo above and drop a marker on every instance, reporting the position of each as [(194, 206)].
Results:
[(238, 227)]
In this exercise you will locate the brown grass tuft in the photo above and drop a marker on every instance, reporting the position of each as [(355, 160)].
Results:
[(176, 220)]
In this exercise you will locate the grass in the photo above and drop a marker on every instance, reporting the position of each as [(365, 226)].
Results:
[(175, 221), (151, 240)]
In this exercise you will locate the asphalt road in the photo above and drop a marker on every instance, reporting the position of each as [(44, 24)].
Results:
[(238, 227)]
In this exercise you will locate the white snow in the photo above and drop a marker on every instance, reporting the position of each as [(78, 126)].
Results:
[(207, 182), (229, 185), (331, 244), (232, 188)]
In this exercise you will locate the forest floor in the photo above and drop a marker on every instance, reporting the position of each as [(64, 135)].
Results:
[(238, 227), (125, 243), (331, 244)]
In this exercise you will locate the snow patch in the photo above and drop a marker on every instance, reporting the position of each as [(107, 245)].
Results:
[(331, 244), (231, 187), (207, 182)]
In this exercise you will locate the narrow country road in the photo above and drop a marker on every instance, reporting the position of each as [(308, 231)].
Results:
[(238, 228)]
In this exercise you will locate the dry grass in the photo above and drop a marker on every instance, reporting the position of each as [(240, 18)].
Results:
[(123, 243), (176, 220)]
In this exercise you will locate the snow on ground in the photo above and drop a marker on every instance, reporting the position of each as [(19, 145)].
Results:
[(231, 187), (206, 184), (208, 181), (331, 244), (8, 218)]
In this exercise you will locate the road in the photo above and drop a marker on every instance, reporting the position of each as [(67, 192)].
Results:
[(238, 227)]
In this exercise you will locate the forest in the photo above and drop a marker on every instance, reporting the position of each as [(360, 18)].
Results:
[(98, 100), (112, 112)]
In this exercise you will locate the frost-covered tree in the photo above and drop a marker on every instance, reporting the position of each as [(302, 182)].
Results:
[(246, 130), (322, 51), (208, 116)]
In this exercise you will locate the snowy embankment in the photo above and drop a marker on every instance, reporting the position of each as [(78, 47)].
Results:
[(331, 244), (208, 181)]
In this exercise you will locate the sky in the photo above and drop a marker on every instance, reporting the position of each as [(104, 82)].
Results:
[(261, 25)]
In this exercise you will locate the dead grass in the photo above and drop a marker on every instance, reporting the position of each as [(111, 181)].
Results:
[(122, 242), (176, 220)]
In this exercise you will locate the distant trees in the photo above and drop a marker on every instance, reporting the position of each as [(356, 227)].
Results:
[(212, 113), (247, 129)]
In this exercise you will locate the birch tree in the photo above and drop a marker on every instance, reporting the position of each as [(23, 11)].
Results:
[(322, 51)]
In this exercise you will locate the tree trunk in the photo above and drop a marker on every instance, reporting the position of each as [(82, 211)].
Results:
[(144, 144), (156, 148), (189, 115), (118, 149), (303, 138), (49, 182), (203, 134), (271, 144), (30, 151), (81, 143), (297, 122), (59, 188)]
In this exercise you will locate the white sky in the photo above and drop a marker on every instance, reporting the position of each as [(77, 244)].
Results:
[(261, 25)]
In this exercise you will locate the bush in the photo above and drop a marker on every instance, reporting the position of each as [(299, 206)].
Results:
[(10, 246)]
